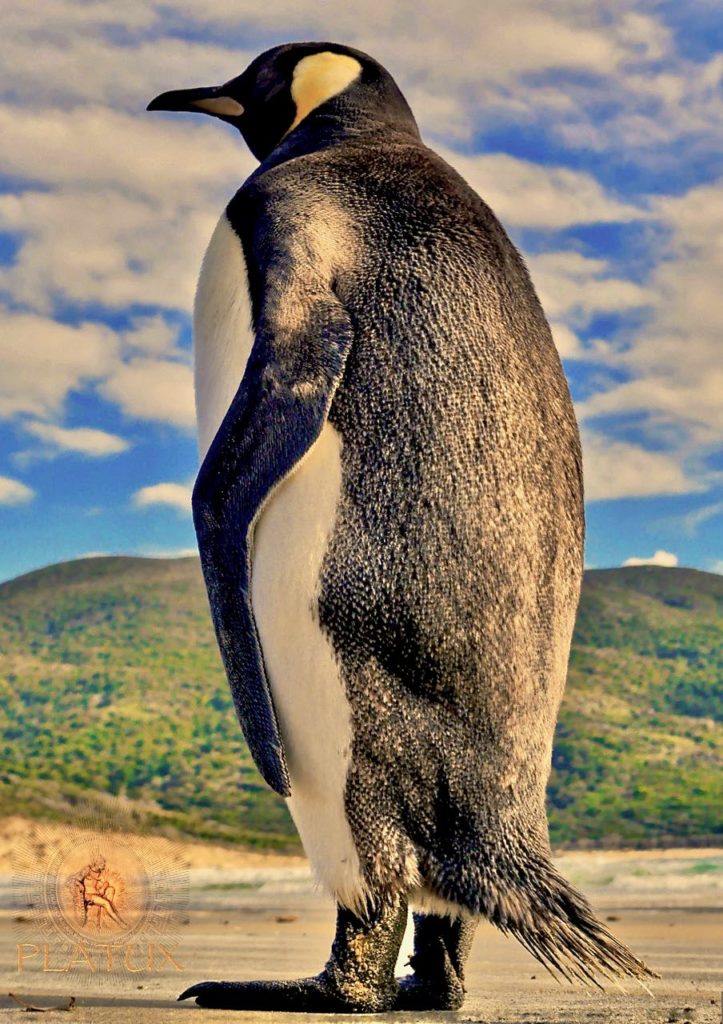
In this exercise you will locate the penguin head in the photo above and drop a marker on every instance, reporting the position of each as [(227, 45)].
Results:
[(298, 85)]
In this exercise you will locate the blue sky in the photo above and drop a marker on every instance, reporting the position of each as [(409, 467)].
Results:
[(592, 129)]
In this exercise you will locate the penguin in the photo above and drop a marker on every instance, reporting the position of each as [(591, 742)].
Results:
[(389, 512)]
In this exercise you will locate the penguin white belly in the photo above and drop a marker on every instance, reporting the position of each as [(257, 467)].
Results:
[(290, 539)]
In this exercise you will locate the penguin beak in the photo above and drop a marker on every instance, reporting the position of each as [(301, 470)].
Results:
[(211, 100)]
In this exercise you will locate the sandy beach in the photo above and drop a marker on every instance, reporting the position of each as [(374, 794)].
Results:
[(253, 915)]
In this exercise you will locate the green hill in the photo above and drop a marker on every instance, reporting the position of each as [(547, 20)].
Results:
[(110, 682)]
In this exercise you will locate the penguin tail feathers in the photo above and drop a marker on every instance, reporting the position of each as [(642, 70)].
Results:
[(557, 925)]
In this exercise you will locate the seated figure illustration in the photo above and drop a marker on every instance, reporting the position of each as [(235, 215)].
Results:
[(94, 894)]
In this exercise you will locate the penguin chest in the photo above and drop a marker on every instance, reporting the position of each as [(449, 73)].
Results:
[(222, 330), (289, 539)]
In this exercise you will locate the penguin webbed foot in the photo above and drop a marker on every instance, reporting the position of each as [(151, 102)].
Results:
[(318, 995), (358, 977), (441, 947), (417, 994), (307, 995)]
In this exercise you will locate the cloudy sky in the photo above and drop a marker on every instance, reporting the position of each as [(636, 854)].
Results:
[(593, 129)]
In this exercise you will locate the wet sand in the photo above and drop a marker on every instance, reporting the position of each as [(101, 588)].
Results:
[(269, 921)]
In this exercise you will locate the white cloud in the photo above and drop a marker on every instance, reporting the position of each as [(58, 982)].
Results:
[(61, 16), (121, 208), (129, 165), (664, 558), (577, 287), (532, 195), (509, 60), (147, 156), (127, 206), (84, 440), (14, 492), (492, 61), (674, 376), (177, 496), (692, 520), (168, 552), (716, 566), (105, 248), (685, 398), (43, 360), (91, 68), (509, 39), (618, 469), (644, 35), (124, 202), (152, 335), (153, 389), (651, 109)]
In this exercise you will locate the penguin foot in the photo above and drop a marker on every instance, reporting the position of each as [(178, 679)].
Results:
[(308, 995), (420, 995), (441, 948), (358, 978)]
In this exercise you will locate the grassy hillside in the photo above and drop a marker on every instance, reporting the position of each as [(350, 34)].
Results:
[(110, 682), (639, 746)]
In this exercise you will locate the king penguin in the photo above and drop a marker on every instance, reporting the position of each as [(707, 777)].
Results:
[(389, 513)]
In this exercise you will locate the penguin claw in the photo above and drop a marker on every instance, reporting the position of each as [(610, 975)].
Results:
[(198, 989)]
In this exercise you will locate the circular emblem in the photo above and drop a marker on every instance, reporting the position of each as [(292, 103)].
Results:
[(98, 891), (99, 899)]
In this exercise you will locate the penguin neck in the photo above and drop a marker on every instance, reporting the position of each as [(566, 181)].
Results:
[(323, 129)]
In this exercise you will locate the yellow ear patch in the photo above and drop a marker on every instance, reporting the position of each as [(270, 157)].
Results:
[(319, 77)]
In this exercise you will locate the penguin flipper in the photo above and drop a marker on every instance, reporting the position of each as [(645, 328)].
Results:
[(277, 414)]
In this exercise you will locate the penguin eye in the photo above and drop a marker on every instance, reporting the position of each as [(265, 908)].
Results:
[(273, 90), (268, 84)]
